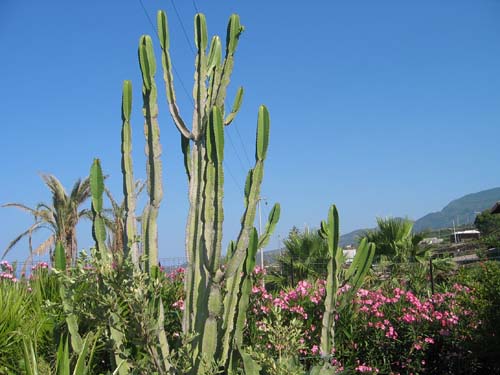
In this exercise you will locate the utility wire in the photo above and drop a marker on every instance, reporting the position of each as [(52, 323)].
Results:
[(173, 66), (183, 28), (235, 151), (195, 7), (182, 83), (242, 145)]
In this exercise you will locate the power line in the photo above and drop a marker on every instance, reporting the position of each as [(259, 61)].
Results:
[(183, 28), (195, 7), (235, 151), (180, 79), (243, 145), (173, 66)]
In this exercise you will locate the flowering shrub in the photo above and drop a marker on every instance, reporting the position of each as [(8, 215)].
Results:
[(390, 332), (172, 293), (7, 271)]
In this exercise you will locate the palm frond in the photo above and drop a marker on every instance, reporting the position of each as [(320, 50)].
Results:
[(40, 250), (21, 207), (27, 232)]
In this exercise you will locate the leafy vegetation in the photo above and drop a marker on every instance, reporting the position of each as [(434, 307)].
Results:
[(116, 311), (60, 218)]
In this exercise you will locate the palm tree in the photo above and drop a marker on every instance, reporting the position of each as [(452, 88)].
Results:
[(60, 218), (398, 251), (114, 218), (306, 256), (394, 239)]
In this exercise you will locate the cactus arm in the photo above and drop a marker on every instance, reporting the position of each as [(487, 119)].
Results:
[(163, 36), (238, 99), (252, 189), (213, 210), (360, 265), (213, 69), (153, 148), (162, 337), (60, 257), (186, 152), (199, 89), (272, 220), (246, 287), (130, 232), (197, 257), (98, 227), (323, 230), (233, 272), (234, 30), (327, 330)]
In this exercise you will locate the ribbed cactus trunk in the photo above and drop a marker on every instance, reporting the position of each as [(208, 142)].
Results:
[(130, 230), (153, 153), (339, 276), (216, 297)]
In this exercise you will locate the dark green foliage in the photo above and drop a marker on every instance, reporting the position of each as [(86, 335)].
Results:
[(484, 280), (305, 256), (394, 239), (488, 223)]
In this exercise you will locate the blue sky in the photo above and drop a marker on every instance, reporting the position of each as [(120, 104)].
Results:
[(384, 108)]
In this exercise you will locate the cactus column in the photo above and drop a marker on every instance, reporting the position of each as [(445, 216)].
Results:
[(153, 153), (216, 298)]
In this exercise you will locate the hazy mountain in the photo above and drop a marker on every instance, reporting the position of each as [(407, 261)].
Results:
[(352, 238), (463, 210)]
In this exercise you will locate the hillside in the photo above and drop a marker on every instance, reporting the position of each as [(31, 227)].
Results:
[(352, 238), (463, 210)]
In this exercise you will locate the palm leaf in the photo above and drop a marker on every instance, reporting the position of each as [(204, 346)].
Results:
[(27, 232)]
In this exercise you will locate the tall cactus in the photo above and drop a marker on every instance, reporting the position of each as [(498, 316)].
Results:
[(339, 276), (98, 227), (216, 297), (130, 232), (153, 152)]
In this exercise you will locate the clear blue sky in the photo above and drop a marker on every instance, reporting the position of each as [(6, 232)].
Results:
[(382, 107)]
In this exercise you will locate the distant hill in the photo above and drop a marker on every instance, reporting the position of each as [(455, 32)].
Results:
[(352, 238), (463, 210)]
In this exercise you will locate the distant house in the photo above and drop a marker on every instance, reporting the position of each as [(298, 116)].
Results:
[(349, 252), (464, 235), (431, 241), (496, 208)]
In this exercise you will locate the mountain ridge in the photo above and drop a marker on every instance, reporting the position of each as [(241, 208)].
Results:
[(460, 211)]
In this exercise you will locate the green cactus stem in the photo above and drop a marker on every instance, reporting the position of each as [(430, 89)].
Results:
[(130, 232), (338, 277), (153, 152)]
